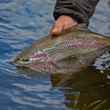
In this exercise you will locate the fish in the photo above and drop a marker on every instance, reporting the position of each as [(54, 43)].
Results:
[(69, 52)]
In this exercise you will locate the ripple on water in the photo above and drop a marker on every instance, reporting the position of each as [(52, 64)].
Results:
[(22, 22), (6, 1)]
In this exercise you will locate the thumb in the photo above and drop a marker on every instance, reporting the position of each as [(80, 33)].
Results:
[(56, 29)]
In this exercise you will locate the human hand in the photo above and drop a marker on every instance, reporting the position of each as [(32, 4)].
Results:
[(62, 23)]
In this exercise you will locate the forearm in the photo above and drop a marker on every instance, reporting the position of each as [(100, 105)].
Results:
[(80, 10)]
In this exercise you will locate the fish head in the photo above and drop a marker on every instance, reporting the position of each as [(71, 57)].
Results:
[(37, 60)]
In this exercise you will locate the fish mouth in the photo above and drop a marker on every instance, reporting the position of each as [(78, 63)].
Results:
[(36, 64)]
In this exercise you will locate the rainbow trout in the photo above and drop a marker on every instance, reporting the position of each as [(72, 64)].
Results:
[(70, 52)]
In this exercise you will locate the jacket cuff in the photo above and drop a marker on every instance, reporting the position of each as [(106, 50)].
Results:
[(77, 16)]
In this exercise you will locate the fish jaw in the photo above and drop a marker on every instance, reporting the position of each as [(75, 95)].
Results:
[(47, 67), (38, 66)]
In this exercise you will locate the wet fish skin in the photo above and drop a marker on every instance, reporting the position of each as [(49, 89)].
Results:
[(71, 51)]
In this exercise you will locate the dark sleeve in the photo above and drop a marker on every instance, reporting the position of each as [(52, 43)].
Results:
[(80, 10)]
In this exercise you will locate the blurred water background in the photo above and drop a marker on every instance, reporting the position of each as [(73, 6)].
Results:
[(22, 22)]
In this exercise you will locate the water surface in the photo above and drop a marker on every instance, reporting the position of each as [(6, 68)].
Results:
[(22, 22)]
